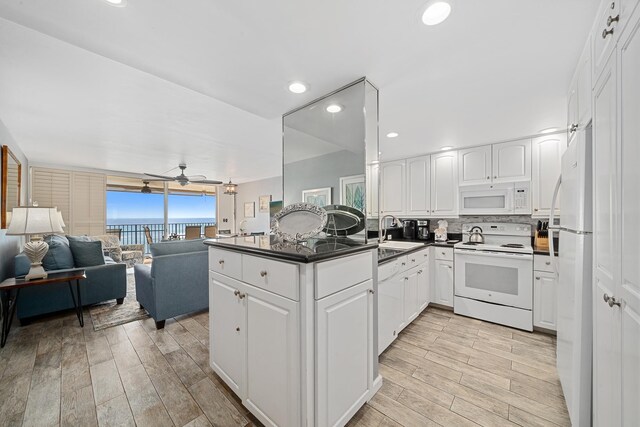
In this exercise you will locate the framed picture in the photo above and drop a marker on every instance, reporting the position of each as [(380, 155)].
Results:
[(318, 196), (352, 192), (250, 209), (263, 203)]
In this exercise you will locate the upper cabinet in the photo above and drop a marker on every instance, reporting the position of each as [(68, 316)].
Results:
[(474, 165), (604, 35), (579, 96), (418, 201), (444, 184), (392, 188), (547, 155), (512, 161)]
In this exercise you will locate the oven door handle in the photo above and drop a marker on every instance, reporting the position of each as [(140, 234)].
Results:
[(492, 254)]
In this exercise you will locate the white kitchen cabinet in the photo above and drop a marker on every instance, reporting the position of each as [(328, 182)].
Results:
[(547, 155), (444, 184), (474, 165), (572, 105), (227, 334), (544, 300), (392, 188), (272, 361), (579, 96), (443, 282), (371, 196), (345, 327), (424, 282), (418, 201), (411, 304), (604, 35), (390, 310), (511, 161)]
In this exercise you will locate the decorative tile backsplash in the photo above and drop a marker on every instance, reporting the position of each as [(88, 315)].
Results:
[(455, 224)]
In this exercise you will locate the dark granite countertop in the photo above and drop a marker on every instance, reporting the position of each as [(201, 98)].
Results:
[(387, 254), (311, 250)]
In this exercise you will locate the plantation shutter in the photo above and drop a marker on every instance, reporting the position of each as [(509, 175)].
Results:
[(52, 188)]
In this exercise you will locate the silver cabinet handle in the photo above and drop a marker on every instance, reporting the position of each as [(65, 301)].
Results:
[(419, 271), (611, 20), (573, 128), (536, 210), (448, 266), (371, 291), (612, 301), (548, 262), (537, 277), (221, 262), (236, 292), (488, 177), (263, 273), (413, 260), (495, 177), (241, 295), (605, 33), (606, 298), (404, 263), (237, 328)]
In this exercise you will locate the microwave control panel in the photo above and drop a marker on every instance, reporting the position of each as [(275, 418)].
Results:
[(521, 199)]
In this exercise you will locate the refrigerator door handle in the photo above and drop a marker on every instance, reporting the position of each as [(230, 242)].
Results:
[(552, 226)]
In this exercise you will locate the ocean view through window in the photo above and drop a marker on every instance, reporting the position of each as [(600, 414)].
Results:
[(129, 212)]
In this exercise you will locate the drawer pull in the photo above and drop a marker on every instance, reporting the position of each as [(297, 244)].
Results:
[(548, 262), (443, 253), (419, 271), (241, 295), (537, 277), (263, 273), (605, 33), (611, 20), (371, 291), (413, 260), (221, 262), (404, 263), (236, 292), (238, 329)]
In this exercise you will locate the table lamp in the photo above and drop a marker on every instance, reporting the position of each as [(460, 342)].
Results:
[(29, 221)]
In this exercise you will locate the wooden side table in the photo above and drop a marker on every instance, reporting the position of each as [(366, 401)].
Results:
[(9, 303)]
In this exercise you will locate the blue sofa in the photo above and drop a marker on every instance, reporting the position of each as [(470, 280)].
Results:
[(104, 282), (176, 282)]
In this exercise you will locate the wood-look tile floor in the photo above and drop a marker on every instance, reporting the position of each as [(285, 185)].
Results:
[(442, 370)]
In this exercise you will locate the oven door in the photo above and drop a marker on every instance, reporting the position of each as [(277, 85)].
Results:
[(496, 277), (486, 200)]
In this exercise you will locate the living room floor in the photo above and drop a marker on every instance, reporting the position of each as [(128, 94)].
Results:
[(443, 369)]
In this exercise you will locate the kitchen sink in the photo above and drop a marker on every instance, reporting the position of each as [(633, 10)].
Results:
[(390, 244)]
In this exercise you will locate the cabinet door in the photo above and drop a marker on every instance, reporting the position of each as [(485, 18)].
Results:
[(373, 175), (544, 300), (572, 105), (606, 345), (474, 165), (411, 305), (547, 157), (423, 285), (583, 87), (392, 188), (418, 186), (345, 359), (629, 288), (272, 358), (390, 308), (512, 161), (444, 184), (227, 331), (604, 36), (443, 283)]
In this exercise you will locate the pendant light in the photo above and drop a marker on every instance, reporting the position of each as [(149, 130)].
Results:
[(231, 188)]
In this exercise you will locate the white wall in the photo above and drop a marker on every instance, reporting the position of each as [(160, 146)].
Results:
[(10, 246), (250, 192)]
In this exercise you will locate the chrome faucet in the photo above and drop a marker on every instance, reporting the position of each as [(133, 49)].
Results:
[(382, 232)]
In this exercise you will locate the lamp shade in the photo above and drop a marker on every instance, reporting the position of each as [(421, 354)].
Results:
[(230, 188), (34, 220)]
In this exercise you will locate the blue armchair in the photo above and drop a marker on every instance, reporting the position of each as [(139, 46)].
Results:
[(176, 282)]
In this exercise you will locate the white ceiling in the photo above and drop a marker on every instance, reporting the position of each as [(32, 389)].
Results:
[(144, 87)]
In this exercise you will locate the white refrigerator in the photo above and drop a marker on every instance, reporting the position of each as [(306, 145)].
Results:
[(574, 269)]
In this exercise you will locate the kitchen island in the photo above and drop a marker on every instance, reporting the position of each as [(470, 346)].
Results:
[(292, 326)]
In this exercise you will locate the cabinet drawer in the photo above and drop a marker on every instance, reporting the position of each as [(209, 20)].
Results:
[(342, 273), (444, 254), (388, 269), (414, 259), (542, 263), (278, 277), (225, 262)]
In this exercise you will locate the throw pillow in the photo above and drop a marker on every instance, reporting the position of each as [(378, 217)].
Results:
[(86, 254), (110, 246), (59, 256)]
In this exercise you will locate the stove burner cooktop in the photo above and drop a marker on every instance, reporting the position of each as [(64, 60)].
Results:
[(512, 245)]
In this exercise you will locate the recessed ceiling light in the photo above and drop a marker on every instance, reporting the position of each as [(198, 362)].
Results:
[(392, 134), (436, 12), (117, 3), (297, 87), (549, 130), (446, 148), (334, 108)]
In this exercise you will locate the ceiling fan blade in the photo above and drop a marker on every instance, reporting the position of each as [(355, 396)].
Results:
[(170, 178), (160, 180), (196, 177), (205, 181)]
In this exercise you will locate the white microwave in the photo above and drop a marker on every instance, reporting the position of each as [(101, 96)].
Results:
[(496, 199)]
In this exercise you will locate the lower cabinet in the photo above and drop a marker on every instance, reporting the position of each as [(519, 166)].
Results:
[(254, 348), (390, 310), (411, 304), (544, 300), (443, 283), (345, 329), (424, 285)]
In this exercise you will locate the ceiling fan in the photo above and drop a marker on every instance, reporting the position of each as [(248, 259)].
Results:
[(183, 179)]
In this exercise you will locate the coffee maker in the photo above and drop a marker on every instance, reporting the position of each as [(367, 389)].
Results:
[(409, 229), (423, 229)]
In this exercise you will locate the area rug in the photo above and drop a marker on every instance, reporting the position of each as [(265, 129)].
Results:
[(111, 314)]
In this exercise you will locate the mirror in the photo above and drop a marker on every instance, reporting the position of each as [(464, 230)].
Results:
[(11, 181), (327, 147)]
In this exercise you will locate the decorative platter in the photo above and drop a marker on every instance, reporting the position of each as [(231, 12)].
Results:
[(343, 220), (298, 222)]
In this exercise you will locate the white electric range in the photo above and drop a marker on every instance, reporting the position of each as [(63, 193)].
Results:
[(494, 280)]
